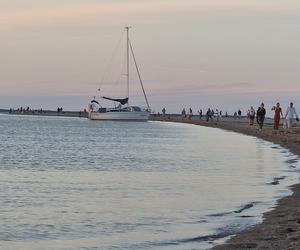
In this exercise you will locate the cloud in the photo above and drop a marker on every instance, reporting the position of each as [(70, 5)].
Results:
[(129, 11)]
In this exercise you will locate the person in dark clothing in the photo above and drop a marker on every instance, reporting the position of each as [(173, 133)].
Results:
[(208, 114), (200, 114), (183, 114), (164, 111), (260, 115), (190, 114), (240, 114)]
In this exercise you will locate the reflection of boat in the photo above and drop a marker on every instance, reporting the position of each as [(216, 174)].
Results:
[(123, 111)]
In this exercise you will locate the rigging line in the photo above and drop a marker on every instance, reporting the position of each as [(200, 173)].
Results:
[(118, 80), (137, 69), (110, 62)]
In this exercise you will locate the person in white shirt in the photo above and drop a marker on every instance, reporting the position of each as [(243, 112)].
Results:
[(217, 114), (291, 114), (251, 115)]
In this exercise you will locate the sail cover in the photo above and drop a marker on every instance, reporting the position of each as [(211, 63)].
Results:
[(94, 101), (122, 101)]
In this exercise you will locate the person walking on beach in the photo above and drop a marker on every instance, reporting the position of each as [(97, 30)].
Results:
[(277, 112), (290, 115), (217, 114), (163, 111), (260, 115), (240, 114), (183, 114), (208, 114), (200, 114), (251, 115), (190, 114)]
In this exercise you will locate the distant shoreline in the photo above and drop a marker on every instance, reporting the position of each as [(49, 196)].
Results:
[(40, 112), (280, 228)]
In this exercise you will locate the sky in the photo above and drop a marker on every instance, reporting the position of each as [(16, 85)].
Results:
[(225, 54)]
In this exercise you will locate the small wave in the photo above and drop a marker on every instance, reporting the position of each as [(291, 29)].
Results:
[(210, 237), (221, 233), (291, 161), (274, 182), (220, 214), (247, 206), (246, 216), (197, 222), (279, 178), (204, 238), (240, 210)]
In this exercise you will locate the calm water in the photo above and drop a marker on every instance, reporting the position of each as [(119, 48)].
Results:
[(69, 183)]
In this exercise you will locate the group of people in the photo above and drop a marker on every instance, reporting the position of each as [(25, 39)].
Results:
[(210, 114), (260, 114), (189, 115), (59, 110), (237, 114)]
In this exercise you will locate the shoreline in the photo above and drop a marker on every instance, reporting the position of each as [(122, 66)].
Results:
[(280, 228)]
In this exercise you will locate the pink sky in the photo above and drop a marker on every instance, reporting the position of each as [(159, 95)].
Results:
[(193, 53)]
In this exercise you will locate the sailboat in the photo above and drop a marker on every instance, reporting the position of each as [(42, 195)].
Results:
[(123, 111)]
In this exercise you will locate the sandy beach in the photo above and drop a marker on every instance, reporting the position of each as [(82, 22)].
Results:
[(280, 228)]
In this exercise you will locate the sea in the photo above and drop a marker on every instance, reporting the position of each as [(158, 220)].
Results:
[(72, 183)]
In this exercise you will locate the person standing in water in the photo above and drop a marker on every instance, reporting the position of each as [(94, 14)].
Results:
[(291, 114), (260, 115), (277, 112)]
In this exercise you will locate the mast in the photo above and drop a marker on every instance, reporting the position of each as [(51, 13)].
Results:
[(127, 54), (139, 75)]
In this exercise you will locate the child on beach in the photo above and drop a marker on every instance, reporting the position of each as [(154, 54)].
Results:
[(260, 115), (290, 114), (277, 109)]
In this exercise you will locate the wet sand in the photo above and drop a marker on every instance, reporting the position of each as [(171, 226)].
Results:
[(280, 228)]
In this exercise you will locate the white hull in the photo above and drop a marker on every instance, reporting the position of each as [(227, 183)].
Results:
[(120, 116)]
